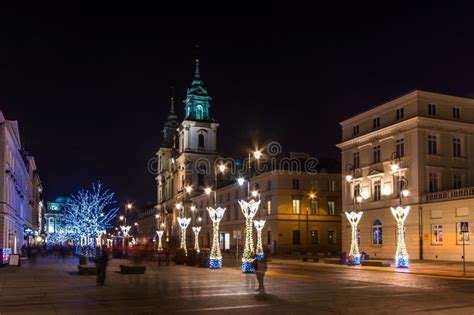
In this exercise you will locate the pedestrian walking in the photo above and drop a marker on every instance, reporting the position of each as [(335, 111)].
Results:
[(260, 267), (101, 265)]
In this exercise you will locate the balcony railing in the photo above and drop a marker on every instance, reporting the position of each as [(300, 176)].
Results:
[(450, 194)]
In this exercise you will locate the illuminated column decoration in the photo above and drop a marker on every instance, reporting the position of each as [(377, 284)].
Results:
[(259, 224), (183, 223), (401, 258), (160, 236), (125, 229), (249, 209), (354, 219), (215, 259), (196, 230)]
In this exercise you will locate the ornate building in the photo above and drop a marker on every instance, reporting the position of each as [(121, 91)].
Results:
[(187, 154), (421, 142), (20, 190)]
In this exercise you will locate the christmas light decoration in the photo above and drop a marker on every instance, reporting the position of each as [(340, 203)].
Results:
[(354, 219), (125, 229), (196, 230), (249, 209), (87, 215), (259, 224), (160, 235), (183, 224), (215, 259), (400, 214)]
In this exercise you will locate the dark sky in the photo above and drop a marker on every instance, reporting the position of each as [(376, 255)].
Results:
[(90, 87)]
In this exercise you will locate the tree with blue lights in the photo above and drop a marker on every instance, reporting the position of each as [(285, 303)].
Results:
[(88, 215)]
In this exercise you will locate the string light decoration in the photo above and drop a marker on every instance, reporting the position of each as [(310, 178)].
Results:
[(354, 219), (259, 224), (249, 209), (215, 259), (400, 214), (160, 236), (183, 224), (196, 230), (125, 229)]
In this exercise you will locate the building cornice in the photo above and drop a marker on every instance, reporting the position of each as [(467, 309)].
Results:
[(406, 125)]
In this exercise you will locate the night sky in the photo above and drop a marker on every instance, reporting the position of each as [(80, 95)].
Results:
[(90, 88)]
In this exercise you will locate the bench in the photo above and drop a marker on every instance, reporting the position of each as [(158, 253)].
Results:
[(132, 269), (376, 263), (311, 258), (87, 270)]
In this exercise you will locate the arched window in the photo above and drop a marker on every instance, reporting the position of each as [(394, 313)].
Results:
[(377, 233), (201, 140), (199, 112)]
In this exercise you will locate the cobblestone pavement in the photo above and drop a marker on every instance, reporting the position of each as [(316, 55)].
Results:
[(52, 286)]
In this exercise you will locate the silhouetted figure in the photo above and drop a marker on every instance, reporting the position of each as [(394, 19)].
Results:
[(260, 267), (101, 265)]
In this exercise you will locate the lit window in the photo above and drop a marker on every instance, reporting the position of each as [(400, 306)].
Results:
[(331, 207), (377, 233), (377, 190), (332, 185), (269, 206), (437, 234), (331, 237), (296, 206), (314, 206)]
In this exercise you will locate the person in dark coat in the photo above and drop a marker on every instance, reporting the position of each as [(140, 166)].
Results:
[(101, 265)]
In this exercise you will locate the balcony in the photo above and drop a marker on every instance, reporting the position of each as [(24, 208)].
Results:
[(461, 193)]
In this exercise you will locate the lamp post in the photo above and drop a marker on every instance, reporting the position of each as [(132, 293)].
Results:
[(259, 224), (160, 244), (352, 216), (196, 230), (400, 213)]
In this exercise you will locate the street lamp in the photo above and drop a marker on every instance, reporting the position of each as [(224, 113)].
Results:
[(353, 216), (400, 213)]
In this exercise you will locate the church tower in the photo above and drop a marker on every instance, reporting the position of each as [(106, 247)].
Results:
[(197, 137)]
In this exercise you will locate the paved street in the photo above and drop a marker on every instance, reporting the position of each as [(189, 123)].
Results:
[(50, 286)]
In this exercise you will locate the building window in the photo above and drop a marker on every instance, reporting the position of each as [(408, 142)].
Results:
[(269, 185), (296, 183), (236, 211), (314, 237), (331, 207), (457, 181), (296, 206), (376, 154), (377, 233), (400, 147), (432, 109), (377, 190), (355, 130), (332, 185), (356, 190), (201, 140), (296, 237), (376, 122), (200, 179), (331, 237), (460, 234), (269, 205), (432, 145), (433, 182), (400, 113), (457, 147), (436, 234), (199, 112), (356, 159), (456, 113), (314, 206)]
